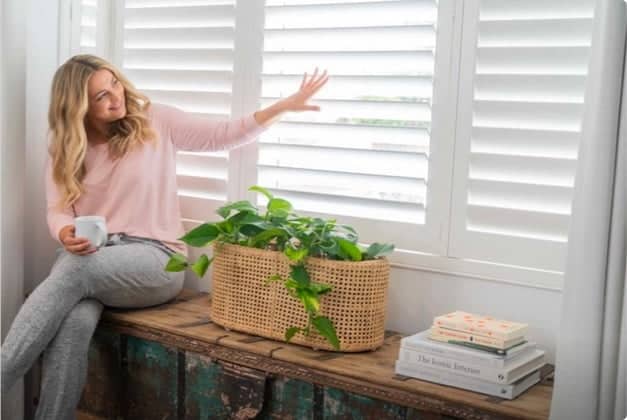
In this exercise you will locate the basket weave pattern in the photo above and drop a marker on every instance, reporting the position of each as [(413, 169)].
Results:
[(242, 301)]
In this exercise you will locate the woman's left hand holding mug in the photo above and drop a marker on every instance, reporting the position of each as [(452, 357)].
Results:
[(74, 245)]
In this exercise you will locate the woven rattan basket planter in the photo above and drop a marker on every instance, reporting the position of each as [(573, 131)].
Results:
[(242, 301)]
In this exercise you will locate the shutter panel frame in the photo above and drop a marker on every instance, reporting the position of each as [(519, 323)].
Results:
[(542, 124)]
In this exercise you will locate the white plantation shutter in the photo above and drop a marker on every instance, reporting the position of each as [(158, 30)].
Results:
[(521, 102), (88, 26), (365, 157), (180, 53)]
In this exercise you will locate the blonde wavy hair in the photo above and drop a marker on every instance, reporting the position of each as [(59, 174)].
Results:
[(69, 102)]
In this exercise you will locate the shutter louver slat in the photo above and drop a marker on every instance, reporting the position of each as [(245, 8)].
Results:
[(348, 87), (350, 206), (386, 188), (288, 15), (203, 102), (406, 113), (529, 88), (208, 59), (532, 60), (365, 156), (514, 183), (350, 136), (180, 53), (393, 38), (535, 33), (529, 224), (534, 170), (522, 142), (529, 115), (180, 38), (185, 80), (88, 27), (352, 63), (179, 17), (353, 161), (532, 197)]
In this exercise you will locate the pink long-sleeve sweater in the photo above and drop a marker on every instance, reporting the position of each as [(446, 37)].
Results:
[(137, 194)]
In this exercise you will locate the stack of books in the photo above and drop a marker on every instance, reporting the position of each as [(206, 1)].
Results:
[(473, 352)]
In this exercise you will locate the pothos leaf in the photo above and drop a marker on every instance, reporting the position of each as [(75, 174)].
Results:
[(378, 250), (349, 248), (268, 234), (279, 205), (310, 300), (201, 235), (320, 288), (261, 190), (296, 255), (327, 330), (201, 265), (300, 275), (243, 205), (291, 332), (177, 262)]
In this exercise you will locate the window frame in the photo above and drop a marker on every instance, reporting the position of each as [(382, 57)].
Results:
[(432, 241)]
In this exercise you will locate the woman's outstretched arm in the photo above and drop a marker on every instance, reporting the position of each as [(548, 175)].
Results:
[(192, 133)]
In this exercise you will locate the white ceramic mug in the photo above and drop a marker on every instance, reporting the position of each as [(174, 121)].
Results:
[(93, 228)]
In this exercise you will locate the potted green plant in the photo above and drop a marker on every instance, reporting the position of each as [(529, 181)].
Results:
[(310, 258)]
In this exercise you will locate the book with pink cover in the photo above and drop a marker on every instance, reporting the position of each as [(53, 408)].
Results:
[(481, 325)]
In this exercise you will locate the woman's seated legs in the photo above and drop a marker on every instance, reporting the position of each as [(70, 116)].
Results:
[(129, 275), (65, 362)]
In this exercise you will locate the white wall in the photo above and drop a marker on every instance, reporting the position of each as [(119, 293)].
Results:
[(12, 157), (415, 297), (41, 62)]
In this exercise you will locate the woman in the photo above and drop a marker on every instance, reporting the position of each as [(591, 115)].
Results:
[(112, 153)]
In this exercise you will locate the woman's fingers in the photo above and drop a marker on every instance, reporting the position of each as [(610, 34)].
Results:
[(304, 82), (323, 80), (314, 80), (89, 251), (313, 76), (79, 245)]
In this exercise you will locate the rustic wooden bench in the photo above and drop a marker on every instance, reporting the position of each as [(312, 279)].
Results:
[(172, 362)]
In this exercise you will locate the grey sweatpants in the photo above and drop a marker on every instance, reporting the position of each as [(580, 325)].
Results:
[(60, 315)]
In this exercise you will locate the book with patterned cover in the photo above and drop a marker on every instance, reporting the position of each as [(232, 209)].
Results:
[(449, 335), (481, 325)]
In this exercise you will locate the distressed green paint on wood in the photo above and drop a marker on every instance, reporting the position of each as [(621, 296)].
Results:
[(152, 380), (202, 383), (216, 391), (339, 404), (291, 399), (101, 395), (243, 390)]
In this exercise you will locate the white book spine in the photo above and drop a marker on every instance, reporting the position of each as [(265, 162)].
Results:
[(421, 342), (459, 381), (438, 349), (459, 367)]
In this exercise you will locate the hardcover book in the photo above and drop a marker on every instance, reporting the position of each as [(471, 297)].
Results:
[(512, 371), (421, 342), (510, 391), (482, 325), (447, 335)]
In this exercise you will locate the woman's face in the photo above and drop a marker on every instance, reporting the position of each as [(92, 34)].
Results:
[(107, 102)]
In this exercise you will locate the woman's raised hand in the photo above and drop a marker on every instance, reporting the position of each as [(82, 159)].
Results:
[(308, 88), (296, 102)]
